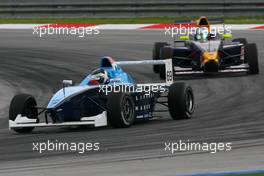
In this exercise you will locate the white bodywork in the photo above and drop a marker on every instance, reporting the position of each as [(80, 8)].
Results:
[(98, 121)]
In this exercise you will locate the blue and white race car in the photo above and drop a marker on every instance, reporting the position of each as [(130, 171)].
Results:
[(106, 96)]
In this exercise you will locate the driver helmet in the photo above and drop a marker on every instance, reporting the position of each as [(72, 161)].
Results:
[(202, 34), (99, 76)]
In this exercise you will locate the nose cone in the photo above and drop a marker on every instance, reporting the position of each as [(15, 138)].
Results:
[(210, 62), (210, 56), (62, 95)]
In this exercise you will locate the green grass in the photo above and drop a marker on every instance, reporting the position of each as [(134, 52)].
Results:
[(228, 20)]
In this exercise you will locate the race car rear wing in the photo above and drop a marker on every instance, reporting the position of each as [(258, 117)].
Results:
[(166, 62)]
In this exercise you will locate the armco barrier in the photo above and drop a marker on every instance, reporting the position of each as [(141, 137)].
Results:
[(125, 8)]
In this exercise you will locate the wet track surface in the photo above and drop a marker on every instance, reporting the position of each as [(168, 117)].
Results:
[(228, 109)]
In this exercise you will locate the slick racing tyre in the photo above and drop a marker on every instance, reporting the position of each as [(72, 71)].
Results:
[(240, 40), (166, 53), (156, 54), (120, 110), (23, 104), (251, 57), (180, 101)]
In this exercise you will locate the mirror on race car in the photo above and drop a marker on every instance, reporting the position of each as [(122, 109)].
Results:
[(227, 36), (67, 83), (184, 37)]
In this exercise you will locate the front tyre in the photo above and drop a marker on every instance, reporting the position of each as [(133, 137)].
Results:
[(180, 101), (120, 110), (24, 105), (251, 57)]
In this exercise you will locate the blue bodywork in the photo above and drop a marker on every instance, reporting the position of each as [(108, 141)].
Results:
[(83, 100), (115, 73)]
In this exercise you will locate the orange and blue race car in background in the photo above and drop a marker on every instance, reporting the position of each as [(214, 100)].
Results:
[(204, 52)]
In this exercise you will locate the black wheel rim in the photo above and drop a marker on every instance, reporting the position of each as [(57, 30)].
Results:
[(127, 110), (30, 111), (189, 102)]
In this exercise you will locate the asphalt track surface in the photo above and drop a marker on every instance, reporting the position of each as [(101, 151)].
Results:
[(228, 109)]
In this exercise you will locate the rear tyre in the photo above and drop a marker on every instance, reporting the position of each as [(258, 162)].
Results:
[(166, 53), (251, 56), (240, 40), (120, 110), (156, 54), (180, 101), (23, 104)]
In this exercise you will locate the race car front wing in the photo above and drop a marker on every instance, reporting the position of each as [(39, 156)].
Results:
[(22, 121), (230, 69)]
